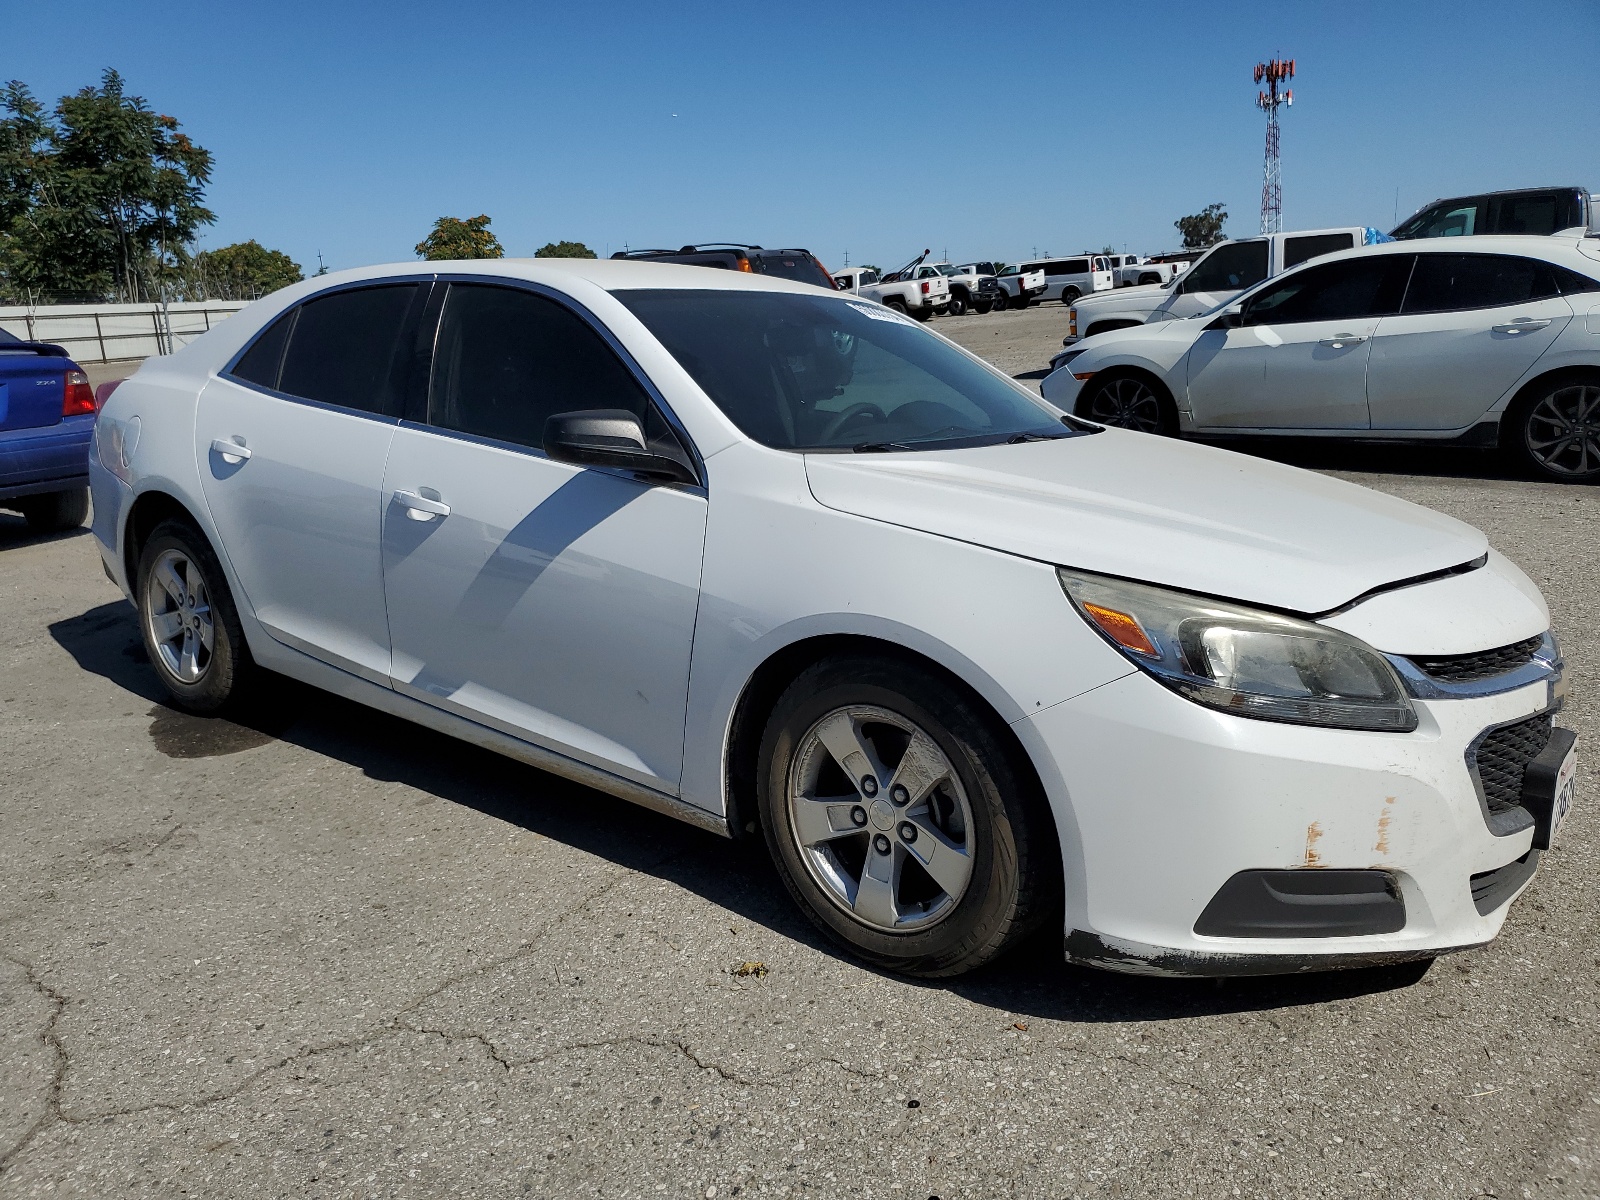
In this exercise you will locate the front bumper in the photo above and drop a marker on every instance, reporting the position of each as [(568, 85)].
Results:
[(1161, 802)]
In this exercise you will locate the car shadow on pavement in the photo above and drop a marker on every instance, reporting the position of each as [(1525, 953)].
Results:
[(14, 531), (1032, 981)]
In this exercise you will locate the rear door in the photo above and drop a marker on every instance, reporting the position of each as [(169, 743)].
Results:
[(1470, 327), (549, 601), (291, 443)]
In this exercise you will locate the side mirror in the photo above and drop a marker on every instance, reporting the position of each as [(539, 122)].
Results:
[(613, 437), (1232, 318)]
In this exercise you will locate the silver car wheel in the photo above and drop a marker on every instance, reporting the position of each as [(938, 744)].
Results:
[(1126, 403), (1562, 431), (177, 614), (881, 819)]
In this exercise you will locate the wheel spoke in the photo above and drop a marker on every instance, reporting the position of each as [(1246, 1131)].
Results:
[(189, 664), (921, 767), (207, 632), (166, 626), (874, 900), (822, 819), (842, 738), (949, 865), (171, 583)]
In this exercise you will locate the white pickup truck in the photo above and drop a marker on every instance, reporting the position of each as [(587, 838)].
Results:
[(1217, 276), (907, 290), (1020, 286), (1131, 270)]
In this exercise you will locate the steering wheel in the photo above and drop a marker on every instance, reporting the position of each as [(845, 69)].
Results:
[(859, 409)]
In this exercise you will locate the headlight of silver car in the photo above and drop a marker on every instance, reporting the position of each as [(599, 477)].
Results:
[(1244, 661)]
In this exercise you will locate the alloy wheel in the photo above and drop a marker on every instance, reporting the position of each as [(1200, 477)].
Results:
[(178, 616), (1562, 431), (880, 818), (1126, 403)]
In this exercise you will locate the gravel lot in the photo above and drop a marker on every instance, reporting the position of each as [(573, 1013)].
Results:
[(331, 954)]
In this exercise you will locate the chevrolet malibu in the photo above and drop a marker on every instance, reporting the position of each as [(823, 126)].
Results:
[(784, 564)]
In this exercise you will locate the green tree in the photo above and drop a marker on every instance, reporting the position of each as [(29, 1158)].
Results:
[(454, 237), (1202, 229), (564, 250), (242, 271), (97, 198)]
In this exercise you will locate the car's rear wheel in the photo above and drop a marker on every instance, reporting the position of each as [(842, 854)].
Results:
[(1070, 296), (1130, 401), (1555, 428), (1002, 302), (958, 304), (982, 307), (897, 304), (55, 511), (1020, 302), (922, 312), (190, 626), (898, 819)]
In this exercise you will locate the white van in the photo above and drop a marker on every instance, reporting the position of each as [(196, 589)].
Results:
[(1066, 279)]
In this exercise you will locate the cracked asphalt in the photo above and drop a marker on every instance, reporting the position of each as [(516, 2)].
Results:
[(327, 954)]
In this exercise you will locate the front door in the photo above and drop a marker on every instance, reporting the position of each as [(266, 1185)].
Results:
[(1298, 359), (291, 444), (552, 602), (1470, 327), (1218, 277)]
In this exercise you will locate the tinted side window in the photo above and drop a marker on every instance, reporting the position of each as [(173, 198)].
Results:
[(1448, 282), (260, 363), (1229, 269), (508, 360), (1360, 287), (1541, 213), (346, 349), (1572, 283), (1297, 250)]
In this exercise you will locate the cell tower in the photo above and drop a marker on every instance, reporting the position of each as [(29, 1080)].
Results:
[(1279, 70)]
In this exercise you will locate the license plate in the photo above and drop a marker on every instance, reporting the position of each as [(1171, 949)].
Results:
[(1566, 790)]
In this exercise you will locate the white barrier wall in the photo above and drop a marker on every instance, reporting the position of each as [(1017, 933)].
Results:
[(107, 332)]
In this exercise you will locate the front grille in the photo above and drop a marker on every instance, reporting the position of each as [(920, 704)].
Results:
[(1469, 668), (1501, 757)]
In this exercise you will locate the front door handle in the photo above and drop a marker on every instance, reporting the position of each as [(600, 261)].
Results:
[(1340, 340), (233, 450), (421, 508), (1522, 325)]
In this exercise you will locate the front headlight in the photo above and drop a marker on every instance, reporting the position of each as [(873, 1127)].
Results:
[(1244, 661)]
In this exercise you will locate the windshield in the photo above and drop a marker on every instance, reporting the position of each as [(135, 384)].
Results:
[(947, 269), (799, 372)]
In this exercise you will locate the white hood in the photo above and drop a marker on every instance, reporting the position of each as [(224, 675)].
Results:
[(1167, 512)]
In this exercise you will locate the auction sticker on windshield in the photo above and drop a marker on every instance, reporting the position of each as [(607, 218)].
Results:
[(881, 312)]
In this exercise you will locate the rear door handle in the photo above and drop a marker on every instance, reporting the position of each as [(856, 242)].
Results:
[(420, 508), (1522, 325), (1340, 340), (231, 449)]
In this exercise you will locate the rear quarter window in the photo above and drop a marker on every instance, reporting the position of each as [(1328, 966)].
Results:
[(1453, 282)]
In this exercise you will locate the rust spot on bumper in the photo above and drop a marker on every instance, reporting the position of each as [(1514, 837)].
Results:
[(1313, 836)]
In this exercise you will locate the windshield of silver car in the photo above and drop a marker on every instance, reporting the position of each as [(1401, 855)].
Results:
[(797, 372)]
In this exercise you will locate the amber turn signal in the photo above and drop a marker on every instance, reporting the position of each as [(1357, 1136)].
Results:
[(1123, 629)]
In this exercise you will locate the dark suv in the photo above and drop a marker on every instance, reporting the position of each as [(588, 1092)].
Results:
[(800, 265), (1569, 210)]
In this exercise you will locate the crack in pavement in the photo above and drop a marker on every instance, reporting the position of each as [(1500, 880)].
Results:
[(49, 1038)]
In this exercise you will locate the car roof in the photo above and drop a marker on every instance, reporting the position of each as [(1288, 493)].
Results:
[(611, 274), (1560, 250)]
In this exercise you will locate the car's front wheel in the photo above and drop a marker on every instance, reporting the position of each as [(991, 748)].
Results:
[(191, 629), (898, 819), (1555, 428), (55, 511), (1130, 401), (958, 304)]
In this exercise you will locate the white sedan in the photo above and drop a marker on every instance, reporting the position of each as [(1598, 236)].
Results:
[(785, 564), (1485, 341)]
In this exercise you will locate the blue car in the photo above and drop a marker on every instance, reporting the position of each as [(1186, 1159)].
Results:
[(47, 411)]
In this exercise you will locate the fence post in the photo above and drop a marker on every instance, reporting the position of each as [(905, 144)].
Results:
[(100, 336)]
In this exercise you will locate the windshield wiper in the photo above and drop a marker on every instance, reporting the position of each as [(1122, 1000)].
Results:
[(878, 447), (1017, 439)]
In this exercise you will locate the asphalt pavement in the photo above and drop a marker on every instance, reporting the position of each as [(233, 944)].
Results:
[(324, 953)]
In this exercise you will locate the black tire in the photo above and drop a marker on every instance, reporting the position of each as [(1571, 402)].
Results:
[(1002, 302), (55, 511), (1553, 428), (958, 304), (1129, 400), (982, 307), (1070, 296), (1018, 303), (1014, 880), (226, 673), (897, 304), (922, 312)]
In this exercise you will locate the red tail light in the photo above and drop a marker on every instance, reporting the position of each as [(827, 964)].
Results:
[(78, 399), (925, 288)]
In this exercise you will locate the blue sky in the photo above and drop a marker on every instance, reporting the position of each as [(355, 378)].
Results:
[(873, 129)]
